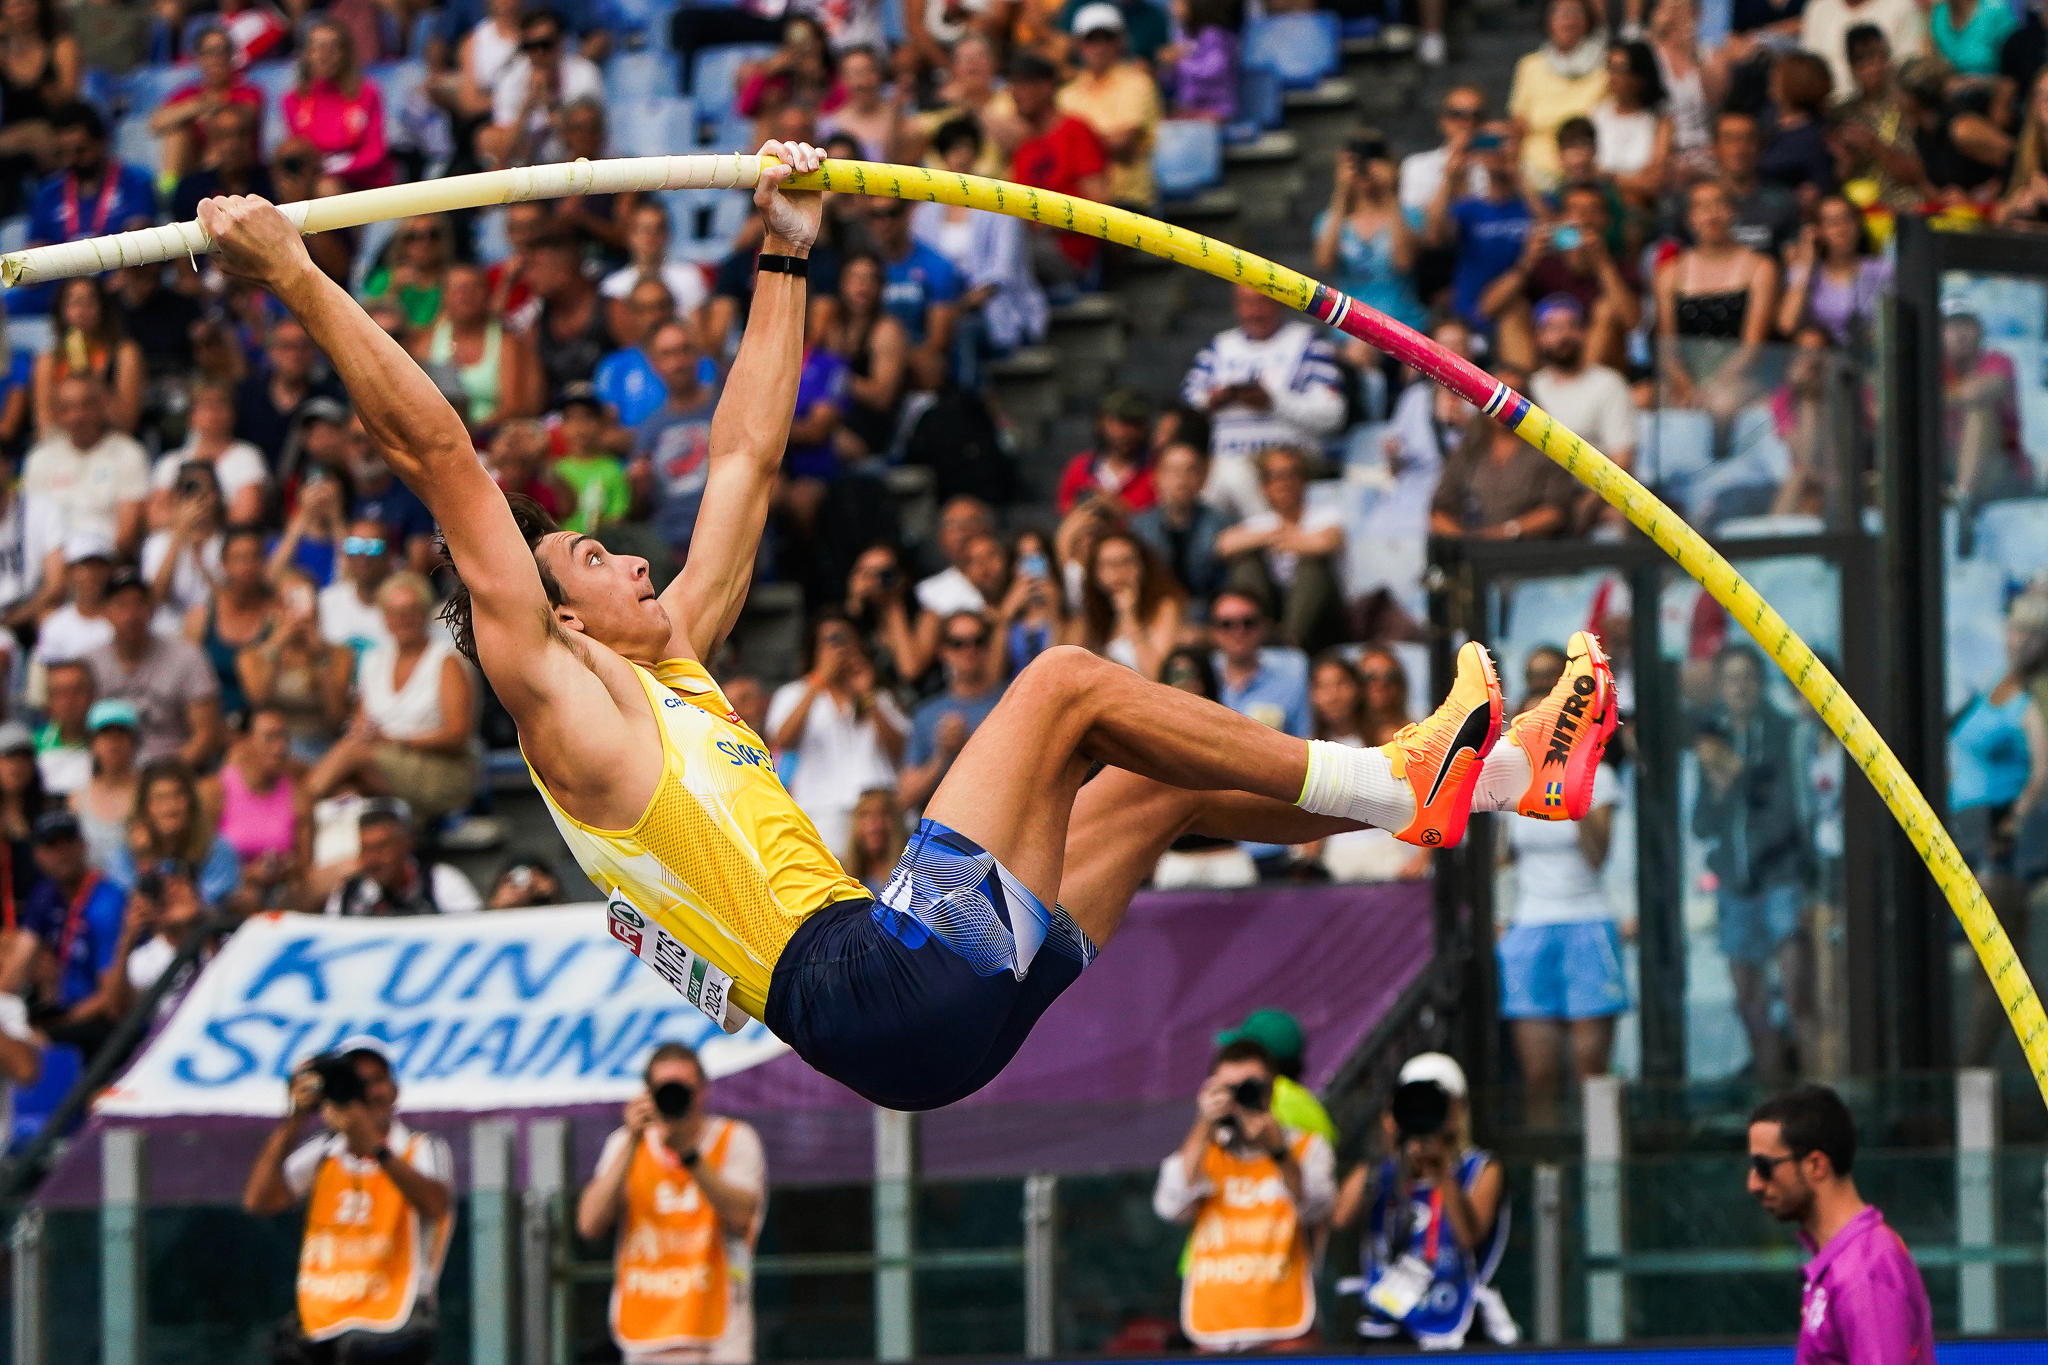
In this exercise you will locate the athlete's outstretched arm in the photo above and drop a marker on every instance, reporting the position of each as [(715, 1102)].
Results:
[(426, 443), (750, 431)]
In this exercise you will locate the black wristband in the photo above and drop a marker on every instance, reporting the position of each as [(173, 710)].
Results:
[(775, 263)]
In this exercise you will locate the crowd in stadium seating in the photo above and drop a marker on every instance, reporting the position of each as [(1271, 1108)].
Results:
[(221, 602)]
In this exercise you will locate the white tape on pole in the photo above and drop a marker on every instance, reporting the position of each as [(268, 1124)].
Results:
[(146, 246)]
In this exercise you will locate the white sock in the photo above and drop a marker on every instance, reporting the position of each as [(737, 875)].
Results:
[(1504, 778), (1355, 784)]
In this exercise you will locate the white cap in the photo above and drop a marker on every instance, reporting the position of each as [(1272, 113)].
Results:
[(1094, 17), (1438, 1067), (88, 543)]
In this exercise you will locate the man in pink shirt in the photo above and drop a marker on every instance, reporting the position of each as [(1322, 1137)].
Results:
[(1863, 1303)]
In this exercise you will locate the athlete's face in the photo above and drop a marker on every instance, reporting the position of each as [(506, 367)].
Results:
[(610, 598)]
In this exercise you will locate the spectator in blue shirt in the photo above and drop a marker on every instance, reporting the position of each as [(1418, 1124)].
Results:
[(92, 195), (626, 378), (1267, 683), (920, 289), (74, 914), (1487, 231), (939, 728)]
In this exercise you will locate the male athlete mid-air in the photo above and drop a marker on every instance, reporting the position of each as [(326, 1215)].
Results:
[(1022, 866)]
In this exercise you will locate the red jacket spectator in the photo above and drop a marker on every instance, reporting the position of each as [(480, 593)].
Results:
[(1058, 151), (1087, 473)]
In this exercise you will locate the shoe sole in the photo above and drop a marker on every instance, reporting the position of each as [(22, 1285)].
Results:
[(1582, 765), (1461, 774)]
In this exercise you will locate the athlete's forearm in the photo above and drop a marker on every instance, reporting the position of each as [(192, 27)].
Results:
[(401, 409), (753, 417)]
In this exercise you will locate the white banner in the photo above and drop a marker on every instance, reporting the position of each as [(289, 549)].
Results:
[(515, 1009)]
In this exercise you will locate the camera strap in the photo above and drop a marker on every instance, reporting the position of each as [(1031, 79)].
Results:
[(700, 983)]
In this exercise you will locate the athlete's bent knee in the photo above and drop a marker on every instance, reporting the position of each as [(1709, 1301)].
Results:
[(1061, 677)]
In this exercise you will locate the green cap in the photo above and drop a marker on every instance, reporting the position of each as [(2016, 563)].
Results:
[(1277, 1031)]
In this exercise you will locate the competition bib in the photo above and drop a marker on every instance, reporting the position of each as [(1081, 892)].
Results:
[(695, 979)]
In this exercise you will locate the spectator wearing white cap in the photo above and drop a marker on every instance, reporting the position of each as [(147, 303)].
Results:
[(1118, 98), (1434, 1214), (93, 477), (75, 624)]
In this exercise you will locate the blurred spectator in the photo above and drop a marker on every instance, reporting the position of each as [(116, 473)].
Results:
[(1430, 1217), (672, 448), (599, 221), (867, 111), (1363, 705), (1206, 69), (22, 798), (1765, 215), (1200, 860), (1806, 416), (511, 289), (524, 884), (497, 368), (169, 680), (1426, 428), (184, 121), (161, 322), (1119, 467), (74, 916), (1002, 307), (77, 622), (810, 458), (1145, 29), (1980, 415), (518, 460), (465, 90), (1586, 396), (181, 560), (1634, 132), (21, 1055), (414, 269), (1694, 81), (941, 725), (380, 497), (239, 473), (569, 328), (688, 1190), (2026, 197), (962, 521), (285, 388), (1490, 491), (1258, 1194), (1834, 279), (1289, 555), (1875, 134), (648, 234), (969, 90), (799, 74), (257, 30), (92, 193), (1863, 1297), (1266, 382), (17, 385), (1963, 153), (1564, 78), (1572, 257), (1269, 684), (1117, 97), (170, 822), (38, 42), (846, 732), (626, 378), (89, 342), (1824, 29), (348, 606), (1033, 616), (530, 92), (1487, 232), (1363, 240), (391, 879), (1747, 815), (165, 912), (415, 727), (920, 289), (378, 1211), (1715, 302), (1797, 153), (1561, 978), (112, 35), (1182, 529), (593, 477), (1054, 151), (62, 754), (263, 817), (1422, 173), (876, 348), (90, 477), (902, 636), (1295, 1106), (338, 109), (876, 838), (113, 735), (296, 673), (1130, 606), (242, 612)]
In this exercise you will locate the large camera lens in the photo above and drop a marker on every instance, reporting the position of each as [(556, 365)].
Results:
[(340, 1082), (672, 1099), (1421, 1108), (1252, 1095)]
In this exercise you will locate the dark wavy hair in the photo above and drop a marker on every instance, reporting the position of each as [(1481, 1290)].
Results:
[(458, 611)]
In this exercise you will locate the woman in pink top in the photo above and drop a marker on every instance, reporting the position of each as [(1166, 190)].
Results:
[(339, 110), (257, 792)]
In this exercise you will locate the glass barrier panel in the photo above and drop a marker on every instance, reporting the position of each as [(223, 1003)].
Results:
[(1117, 1265)]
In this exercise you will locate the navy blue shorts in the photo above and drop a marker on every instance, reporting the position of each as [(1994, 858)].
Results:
[(919, 998)]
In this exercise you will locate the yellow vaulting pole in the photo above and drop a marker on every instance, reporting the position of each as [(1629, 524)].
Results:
[(1505, 406)]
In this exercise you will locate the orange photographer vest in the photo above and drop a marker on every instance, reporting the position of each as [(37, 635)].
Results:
[(364, 1261), (670, 1285), (1248, 1280)]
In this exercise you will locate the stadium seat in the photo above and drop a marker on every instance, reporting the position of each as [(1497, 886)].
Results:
[(1301, 49), (1187, 157), (1672, 445), (2013, 534), (663, 126), (400, 84), (1259, 104), (716, 76), (148, 87), (136, 145), (1973, 596), (639, 76), (273, 79)]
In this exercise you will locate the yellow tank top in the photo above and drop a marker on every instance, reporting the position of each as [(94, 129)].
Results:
[(723, 857)]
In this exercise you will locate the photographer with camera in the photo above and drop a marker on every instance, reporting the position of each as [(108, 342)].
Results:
[(378, 1214), (1435, 1217), (1257, 1194), (688, 1189)]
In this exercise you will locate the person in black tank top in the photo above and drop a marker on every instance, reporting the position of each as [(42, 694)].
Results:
[(1714, 304)]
